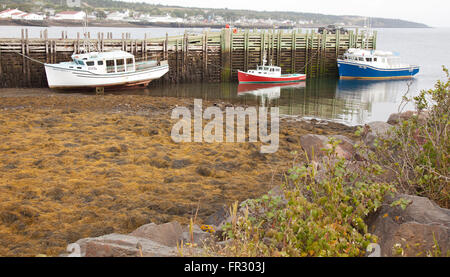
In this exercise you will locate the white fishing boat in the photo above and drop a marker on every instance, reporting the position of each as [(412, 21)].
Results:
[(113, 69), (359, 63)]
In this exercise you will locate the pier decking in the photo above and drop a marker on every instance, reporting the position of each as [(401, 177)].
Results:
[(209, 57)]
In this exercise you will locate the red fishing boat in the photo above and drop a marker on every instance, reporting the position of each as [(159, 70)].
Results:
[(268, 74)]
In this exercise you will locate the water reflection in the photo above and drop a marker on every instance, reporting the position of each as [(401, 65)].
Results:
[(264, 93), (347, 101)]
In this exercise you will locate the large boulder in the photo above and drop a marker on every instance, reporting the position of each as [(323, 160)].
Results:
[(375, 130), (149, 240), (117, 245), (313, 144), (418, 230), (167, 234), (397, 118)]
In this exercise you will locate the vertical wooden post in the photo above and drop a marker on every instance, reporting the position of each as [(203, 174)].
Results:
[(166, 47), (22, 41), (176, 61), (226, 39), (279, 48), (103, 42), (272, 47), (123, 42), (374, 40), (246, 50), (205, 55), (293, 49), (306, 53), (27, 46), (46, 44), (262, 46)]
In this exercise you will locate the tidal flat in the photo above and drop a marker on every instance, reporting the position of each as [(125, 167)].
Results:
[(74, 166)]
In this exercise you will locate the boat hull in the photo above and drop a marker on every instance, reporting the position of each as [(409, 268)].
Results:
[(68, 79), (245, 77), (349, 70)]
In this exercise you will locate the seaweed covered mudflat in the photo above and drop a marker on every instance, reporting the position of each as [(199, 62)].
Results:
[(74, 166)]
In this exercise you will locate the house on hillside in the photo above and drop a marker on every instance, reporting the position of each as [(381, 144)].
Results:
[(118, 16), (70, 15), (17, 15), (31, 17), (9, 13)]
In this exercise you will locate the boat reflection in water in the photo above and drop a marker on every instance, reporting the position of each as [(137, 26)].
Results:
[(266, 92), (351, 102), (381, 97)]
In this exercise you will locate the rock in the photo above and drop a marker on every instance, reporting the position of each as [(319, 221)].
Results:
[(117, 245), (167, 234), (113, 149), (199, 236), (292, 139), (218, 217), (374, 130), (204, 170), (56, 194), (397, 118), (177, 164), (313, 144), (413, 231)]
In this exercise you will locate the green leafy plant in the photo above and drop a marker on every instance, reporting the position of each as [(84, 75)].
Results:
[(314, 216), (417, 150)]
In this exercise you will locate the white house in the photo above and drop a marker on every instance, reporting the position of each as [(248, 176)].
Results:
[(117, 16), (9, 13), (32, 17), (163, 19), (70, 15), (17, 15)]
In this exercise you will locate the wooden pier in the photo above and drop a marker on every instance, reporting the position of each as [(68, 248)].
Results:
[(208, 57)]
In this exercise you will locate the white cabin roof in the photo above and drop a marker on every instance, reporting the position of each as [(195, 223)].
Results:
[(364, 52), (103, 55)]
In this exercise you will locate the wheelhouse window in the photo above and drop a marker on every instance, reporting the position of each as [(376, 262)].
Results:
[(90, 63), (120, 65), (110, 68), (130, 64)]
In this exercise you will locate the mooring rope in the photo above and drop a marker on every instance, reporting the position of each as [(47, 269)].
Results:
[(30, 58)]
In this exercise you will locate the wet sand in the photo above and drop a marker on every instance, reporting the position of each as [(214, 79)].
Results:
[(74, 166)]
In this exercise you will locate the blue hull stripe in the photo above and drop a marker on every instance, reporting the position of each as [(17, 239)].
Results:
[(353, 70)]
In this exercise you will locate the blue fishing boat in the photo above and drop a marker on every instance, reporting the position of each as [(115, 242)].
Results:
[(359, 63)]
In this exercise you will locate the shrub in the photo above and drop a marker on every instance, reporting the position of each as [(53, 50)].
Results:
[(313, 216), (417, 149)]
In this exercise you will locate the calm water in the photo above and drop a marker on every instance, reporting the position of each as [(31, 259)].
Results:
[(346, 101)]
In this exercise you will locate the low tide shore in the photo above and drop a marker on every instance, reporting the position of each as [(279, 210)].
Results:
[(74, 166)]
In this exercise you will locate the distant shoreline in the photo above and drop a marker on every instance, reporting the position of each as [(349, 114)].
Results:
[(98, 23)]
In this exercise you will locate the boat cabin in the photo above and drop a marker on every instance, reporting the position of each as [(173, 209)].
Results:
[(106, 62), (267, 70), (372, 57)]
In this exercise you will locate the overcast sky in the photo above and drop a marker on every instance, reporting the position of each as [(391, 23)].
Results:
[(431, 12)]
